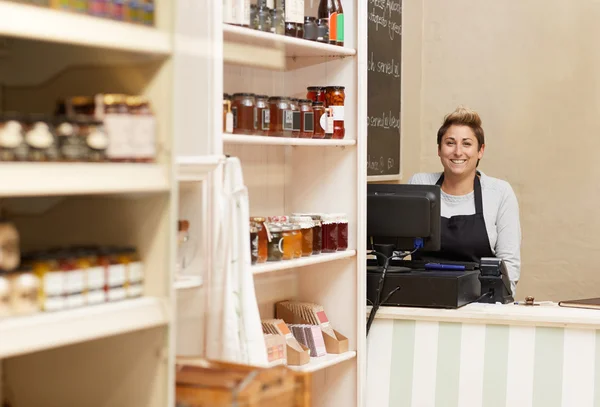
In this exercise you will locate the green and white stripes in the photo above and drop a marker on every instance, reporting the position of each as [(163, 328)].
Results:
[(430, 364)]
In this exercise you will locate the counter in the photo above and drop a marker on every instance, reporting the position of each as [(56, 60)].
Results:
[(484, 355)]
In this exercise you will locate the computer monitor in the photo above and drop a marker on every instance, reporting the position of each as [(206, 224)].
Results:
[(398, 214)]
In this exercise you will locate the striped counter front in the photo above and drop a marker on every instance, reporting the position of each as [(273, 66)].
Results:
[(484, 356)]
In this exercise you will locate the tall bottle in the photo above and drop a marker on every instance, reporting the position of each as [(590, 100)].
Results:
[(339, 23), (328, 10)]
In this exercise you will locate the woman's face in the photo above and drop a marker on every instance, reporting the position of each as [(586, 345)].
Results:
[(459, 150)]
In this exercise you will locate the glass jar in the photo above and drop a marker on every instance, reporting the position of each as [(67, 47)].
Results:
[(319, 114), (52, 282), (12, 138), (323, 30), (335, 98), (243, 113), (253, 244), (95, 137), (310, 28), (277, 21), (40, 139), (275, 249), (317, 234), (288, 242), (316, 93), (263, 16), (253, 16), (297, 239), (330, 233), (295, 109), (263, 115), (306, 229), (263, 238), (307, 119), (342, 223), (71, 146), (281, 117)]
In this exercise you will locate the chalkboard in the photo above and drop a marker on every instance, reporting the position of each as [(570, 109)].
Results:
[(384, 69)]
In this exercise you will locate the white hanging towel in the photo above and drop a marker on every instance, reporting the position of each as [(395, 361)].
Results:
[(234, 328)]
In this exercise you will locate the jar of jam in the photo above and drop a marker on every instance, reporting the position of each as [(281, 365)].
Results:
[(342, 222), (319, 113), (335, 97), (307, 119), (323, 30), (12, 138), (263, 238), (40, 139), (275, 248), (281, 117), (288, 242), (277, 21), (330, 233), (306, 229), (52, 280), (316, 93), (263, 115), (243, 109), (253, 244), (295, 108)]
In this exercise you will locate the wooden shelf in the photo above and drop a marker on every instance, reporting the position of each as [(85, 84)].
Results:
[(324, 362), (46, 330), (43, 24), (42, 179), (187, 282), (301, 262), (292, 47), (284, 141), (196, 168)]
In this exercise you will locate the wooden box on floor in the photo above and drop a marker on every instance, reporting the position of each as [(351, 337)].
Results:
[(203, 383)]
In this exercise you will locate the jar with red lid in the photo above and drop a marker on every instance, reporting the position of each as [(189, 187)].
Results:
[(295, 108), (263, 116), (316, 93), (243, 109), (330, 233), (319, 113), (335, 97), (281, 117), (307, 119), (342, 224)]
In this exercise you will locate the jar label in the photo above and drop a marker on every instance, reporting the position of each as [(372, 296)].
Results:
[(143, 137), (119, 130), (338, 113), (266, 119), (326, 122), (309, 122), (53, 283), (95, 278), (296, 125), (299, 14), (136, 272), (10, 135), (340, 27), (333, 27), (75, 281), (116, 275), (288, 120)]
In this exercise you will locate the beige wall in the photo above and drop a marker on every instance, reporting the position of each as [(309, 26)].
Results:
[(531, 69)]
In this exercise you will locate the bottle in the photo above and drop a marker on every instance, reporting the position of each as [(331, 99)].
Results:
[(263, 16), (327, 10), (339, 23), (289, 10)]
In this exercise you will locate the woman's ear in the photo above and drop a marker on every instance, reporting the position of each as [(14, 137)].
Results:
[(480, 152)]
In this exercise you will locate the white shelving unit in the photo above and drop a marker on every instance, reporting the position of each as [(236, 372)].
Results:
[(284, 141), (301, 262), (324, 362)]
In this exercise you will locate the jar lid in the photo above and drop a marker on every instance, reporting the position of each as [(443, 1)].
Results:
[(317, 103), (243, 95), (113, 99), (313, 88), (136, 101), (305, 101), (82, 100), (275, 98), (294, 99), (336, 87), (328, 218), (274, 228), (259, 219), (309, 18), (262, 96), (340, 217), (305, 222)]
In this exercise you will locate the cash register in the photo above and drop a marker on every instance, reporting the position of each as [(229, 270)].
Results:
[(403, 220)]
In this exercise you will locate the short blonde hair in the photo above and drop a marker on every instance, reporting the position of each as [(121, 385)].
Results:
[(463, 116)]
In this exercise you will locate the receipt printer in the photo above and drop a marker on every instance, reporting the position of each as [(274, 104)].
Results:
[(493, 276)]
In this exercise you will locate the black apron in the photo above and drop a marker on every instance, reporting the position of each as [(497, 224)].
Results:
[(464, 238)]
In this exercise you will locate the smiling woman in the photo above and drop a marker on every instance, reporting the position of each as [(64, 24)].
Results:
[(480, 214)]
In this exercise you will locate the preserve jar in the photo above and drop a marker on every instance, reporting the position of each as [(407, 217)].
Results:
[(277, 21), (281, 117), (330, 233), (263, 115), (342, 224), (288, 242), (142, 139), (335, 97), (310, 28), (323, 30), (243, 109), (318, 113), (12, 138), (275, 249), (316, 93), (263, 238), (307, 119), (306, 229), (295, 108), (297, 238)]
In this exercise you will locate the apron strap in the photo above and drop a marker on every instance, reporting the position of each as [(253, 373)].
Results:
[(476, 191)]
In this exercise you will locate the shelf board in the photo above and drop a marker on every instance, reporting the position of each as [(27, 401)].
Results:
[(187, 282), (324, 362), (246, 46), (196, 168), (44, 24), (47, 330), (285, 141), (43, 179), (301, 262)]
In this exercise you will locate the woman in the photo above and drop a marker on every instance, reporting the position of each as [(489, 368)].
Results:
[(480, 214)]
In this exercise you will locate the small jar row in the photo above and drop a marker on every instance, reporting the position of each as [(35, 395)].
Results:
[(278, 238), (132, 11), (71, 278), (320, 115)]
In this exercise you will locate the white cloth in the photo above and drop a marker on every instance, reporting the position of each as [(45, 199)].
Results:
[(500, 212), (234, 328)]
